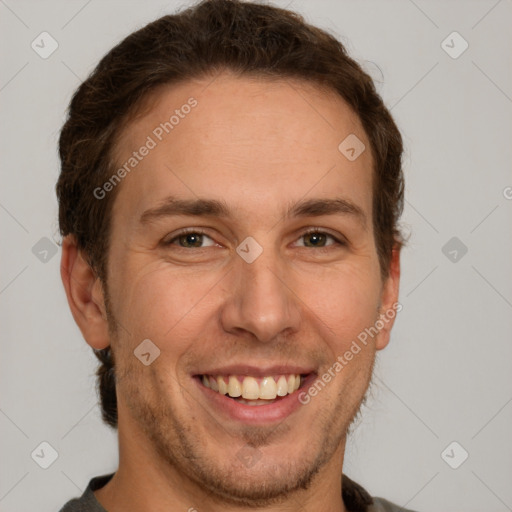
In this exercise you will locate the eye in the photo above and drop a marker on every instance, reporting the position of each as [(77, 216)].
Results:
[(191, 239), (194, 238), (316, 238)]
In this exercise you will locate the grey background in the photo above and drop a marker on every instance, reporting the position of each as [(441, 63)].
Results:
[(446, 374)]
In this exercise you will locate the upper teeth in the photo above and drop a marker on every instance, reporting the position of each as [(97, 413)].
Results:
[(251, 388)]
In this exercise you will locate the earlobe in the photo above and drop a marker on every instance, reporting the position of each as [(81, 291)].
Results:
[(389, 301), (85, 295)]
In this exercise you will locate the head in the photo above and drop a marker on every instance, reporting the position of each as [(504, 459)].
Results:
[(228, 120)]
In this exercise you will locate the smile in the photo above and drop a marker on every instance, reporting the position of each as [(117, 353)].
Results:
[(250, 390), (253, 394)]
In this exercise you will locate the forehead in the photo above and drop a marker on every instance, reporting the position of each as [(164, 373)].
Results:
[(252, 142)]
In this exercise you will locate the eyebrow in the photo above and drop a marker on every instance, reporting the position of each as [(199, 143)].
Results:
[(319, 207), (173, 206)]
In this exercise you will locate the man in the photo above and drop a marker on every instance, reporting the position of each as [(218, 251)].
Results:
[(229, 196)]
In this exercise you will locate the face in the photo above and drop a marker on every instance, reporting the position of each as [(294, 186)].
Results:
[(242, 246)]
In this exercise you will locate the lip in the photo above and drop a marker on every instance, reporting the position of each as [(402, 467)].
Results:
[(257, 371), (253, 414)]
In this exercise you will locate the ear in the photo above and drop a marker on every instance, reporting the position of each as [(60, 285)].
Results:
[(85, 296), (389, 300)]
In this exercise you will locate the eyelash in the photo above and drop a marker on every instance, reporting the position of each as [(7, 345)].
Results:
[(309, 231)]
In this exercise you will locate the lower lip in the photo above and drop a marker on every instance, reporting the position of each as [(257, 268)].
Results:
[(254, 414)]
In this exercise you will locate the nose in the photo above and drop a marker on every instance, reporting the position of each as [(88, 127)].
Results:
[(260, 300)]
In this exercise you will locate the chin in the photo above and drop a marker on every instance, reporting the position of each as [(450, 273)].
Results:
[(261, 485)]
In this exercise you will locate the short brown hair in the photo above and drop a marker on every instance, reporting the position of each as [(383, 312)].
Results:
[(212, 36)]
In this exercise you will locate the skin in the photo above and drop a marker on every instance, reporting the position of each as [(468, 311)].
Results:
[(258, 146)]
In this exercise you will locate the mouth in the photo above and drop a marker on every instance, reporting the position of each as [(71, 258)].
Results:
[(254, 391), (254, 397)]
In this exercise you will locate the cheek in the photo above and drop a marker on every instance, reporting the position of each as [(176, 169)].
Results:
[(158, 303), (345, 300)]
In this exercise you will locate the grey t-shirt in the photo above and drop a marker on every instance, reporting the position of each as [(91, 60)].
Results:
[(355, 497)]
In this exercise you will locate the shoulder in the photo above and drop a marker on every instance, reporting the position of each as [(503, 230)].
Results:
[(357, 499), (88, 502), (382, 505), (74, 505)]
